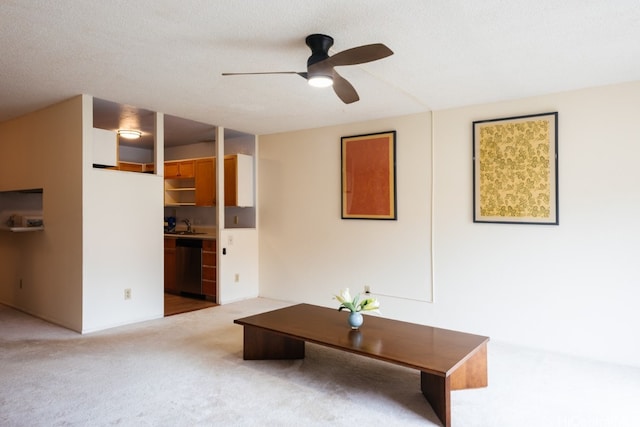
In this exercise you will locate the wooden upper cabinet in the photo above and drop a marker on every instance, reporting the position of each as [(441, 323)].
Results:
[(205, 182), (171, 169), (193, 182), (181, 169), (230, 178)]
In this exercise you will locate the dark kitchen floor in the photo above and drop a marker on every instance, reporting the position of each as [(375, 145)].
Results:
[(176, 304)]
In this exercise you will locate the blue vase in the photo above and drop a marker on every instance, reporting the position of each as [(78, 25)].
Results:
[(355, 320)]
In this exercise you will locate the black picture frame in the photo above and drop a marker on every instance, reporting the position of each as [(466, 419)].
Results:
[(515, 170)]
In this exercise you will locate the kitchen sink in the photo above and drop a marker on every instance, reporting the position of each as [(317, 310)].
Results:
[(184, 233)]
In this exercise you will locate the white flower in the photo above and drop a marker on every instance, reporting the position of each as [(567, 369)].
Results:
[(346, 302), (370, 304)]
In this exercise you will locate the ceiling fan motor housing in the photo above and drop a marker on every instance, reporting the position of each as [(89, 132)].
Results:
[(319, 45)]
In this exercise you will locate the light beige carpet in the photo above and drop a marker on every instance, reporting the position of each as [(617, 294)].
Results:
[(187, 370)]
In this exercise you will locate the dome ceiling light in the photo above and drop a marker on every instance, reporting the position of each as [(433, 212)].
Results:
[(129, 134)]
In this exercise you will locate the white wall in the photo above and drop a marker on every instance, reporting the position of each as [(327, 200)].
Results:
[(190, 151), (135, 154), (239, 261), (122, 223), (571, 288), (307, 252), (100, 235), (43, 150), (123, 248)]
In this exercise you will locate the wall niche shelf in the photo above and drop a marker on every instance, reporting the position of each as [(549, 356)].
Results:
[(25, 229)]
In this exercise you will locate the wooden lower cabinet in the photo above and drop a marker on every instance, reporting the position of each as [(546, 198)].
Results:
[(209, 269), (170, 284), (209, 281)]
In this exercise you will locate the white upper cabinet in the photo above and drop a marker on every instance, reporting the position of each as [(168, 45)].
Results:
[(105, 147)]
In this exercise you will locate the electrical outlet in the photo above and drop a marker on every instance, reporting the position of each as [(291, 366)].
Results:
[(237, 278), (230, 240), (127, 293)]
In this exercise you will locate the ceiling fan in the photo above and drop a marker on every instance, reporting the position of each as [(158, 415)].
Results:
[(320, 66)]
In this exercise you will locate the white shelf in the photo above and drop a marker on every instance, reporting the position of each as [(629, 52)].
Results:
[(180, 192), (25, 229)]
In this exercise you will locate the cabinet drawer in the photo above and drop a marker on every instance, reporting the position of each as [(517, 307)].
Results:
[(209, 288), (208, 259), (208, 273), (169, 243), (209, 245)]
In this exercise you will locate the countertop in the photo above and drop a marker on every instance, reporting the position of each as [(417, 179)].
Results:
[(203, 233)]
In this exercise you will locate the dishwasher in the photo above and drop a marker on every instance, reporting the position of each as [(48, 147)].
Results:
[(189, 266)]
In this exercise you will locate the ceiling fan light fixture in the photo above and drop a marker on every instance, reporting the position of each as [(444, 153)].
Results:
[(321, 67), (320, 81), (129, 134)]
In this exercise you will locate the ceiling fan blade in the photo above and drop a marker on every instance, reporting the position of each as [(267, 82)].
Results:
[(266, 72), (343, 89), (360, 55)]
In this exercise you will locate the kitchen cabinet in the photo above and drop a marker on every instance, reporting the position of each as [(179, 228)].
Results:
[(209, 269), (180, 192), (190, 183), (209, 265), (179, 169), (195, 185), (238, 180), (170, 284), (205, 188), (105, 147), (130, 167), (134, 167)]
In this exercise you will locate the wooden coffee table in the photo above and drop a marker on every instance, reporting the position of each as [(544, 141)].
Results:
[(447, 360)]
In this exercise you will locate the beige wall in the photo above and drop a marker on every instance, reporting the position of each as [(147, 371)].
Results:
[(44, 150), (102, 228), (571, 288), (307, 252), (122, 240)]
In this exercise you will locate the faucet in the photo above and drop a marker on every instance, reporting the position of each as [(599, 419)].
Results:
[(186, 221)]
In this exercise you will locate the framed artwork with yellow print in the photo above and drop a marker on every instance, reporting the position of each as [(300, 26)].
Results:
[(515, 169)]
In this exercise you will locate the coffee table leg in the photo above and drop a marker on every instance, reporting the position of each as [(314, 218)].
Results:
[(437, 390), (262, 344)]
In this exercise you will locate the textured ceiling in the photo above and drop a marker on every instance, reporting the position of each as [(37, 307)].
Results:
[(168, 55)]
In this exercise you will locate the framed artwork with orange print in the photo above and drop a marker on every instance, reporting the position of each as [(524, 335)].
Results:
[(369, 176)]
